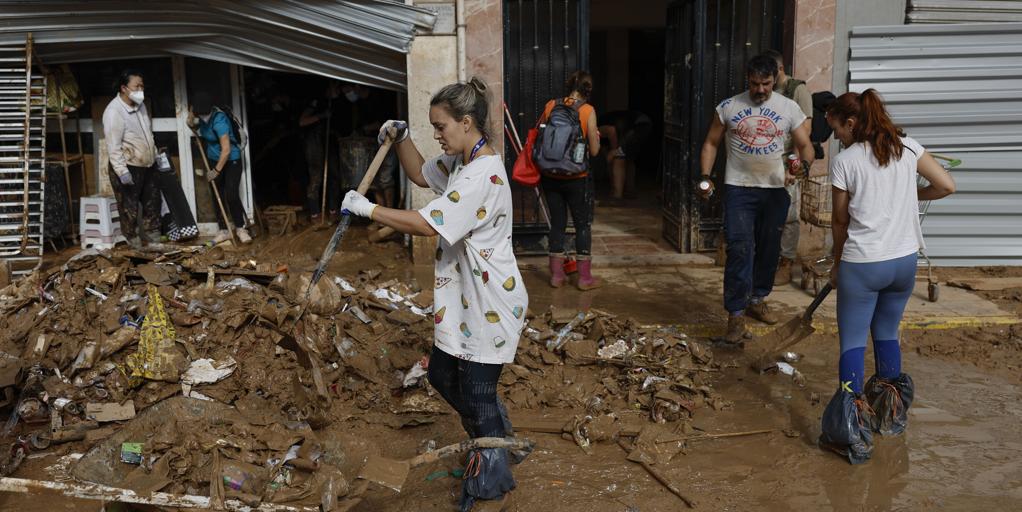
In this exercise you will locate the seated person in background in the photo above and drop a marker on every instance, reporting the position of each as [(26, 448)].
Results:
[(626, 131)]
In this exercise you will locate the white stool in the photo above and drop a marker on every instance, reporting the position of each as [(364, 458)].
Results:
[(99, 223), (101, 242)]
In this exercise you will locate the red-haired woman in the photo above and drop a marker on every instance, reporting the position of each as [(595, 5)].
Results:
[(876, 239)]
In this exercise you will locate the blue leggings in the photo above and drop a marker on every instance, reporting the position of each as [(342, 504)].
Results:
[(871, 299)]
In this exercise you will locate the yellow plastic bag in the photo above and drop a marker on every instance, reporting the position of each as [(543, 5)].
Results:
[(158, 356), (62, 93)]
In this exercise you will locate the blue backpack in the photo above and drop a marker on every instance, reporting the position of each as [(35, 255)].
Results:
[(561, 148)]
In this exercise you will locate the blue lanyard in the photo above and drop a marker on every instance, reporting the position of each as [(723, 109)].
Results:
[(475, 149)]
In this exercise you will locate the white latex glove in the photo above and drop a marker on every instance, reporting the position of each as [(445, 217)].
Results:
[(357, 204), (397, 130), (126, 179)]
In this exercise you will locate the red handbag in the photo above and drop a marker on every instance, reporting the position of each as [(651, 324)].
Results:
[(525, 171)]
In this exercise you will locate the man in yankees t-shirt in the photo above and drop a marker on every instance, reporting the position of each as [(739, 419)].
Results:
[(756, 124)]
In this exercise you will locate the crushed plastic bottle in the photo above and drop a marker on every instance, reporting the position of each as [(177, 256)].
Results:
[(562, 335)]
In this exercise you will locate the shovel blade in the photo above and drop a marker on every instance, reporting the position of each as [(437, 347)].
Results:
[(787, 335), (386, 472)]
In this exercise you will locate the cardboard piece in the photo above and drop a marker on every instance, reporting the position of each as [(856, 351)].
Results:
[(104, 412)]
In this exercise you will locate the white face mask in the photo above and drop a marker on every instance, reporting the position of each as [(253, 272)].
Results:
[(137, 96), (352, 96)]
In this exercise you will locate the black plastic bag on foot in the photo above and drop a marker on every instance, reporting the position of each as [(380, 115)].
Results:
[(890, 400), (846, 427), (487, 477)]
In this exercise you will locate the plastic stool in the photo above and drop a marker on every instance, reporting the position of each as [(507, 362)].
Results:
[(99, 223), (101, 242)]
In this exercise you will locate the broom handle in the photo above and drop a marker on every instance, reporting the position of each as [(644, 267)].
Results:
[(472, 444), (216, 192)]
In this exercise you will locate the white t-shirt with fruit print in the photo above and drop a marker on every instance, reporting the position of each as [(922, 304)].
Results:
[(479, 299)]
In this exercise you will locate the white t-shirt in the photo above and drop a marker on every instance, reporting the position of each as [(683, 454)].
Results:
[(479, 297), (883, 203), (755, 138)]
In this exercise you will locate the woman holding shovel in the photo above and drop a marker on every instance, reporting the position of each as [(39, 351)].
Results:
[(479, 297), (876, 239), (224, 154)]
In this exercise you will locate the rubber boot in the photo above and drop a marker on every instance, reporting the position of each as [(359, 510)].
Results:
[(586, 281), (890, 399), (557, 276), (847, 422)]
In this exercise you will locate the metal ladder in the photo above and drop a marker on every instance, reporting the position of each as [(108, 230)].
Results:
[(22, 158)]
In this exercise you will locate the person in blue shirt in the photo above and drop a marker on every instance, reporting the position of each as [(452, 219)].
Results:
[(224, 155)]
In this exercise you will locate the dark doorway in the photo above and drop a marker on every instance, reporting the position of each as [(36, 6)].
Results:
[(628, 72), (276, 102)]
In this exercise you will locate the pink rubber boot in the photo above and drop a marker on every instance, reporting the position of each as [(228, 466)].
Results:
[(557, 276), (586, 281)]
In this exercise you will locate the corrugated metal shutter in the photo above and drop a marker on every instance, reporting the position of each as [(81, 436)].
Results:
[(964, 11), (958, 90), (362, 41)]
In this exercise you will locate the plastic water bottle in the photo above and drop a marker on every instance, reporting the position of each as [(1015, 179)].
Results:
[(579, 154), (562, 335)]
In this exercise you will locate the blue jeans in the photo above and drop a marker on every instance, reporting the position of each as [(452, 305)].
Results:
[(753, 222)]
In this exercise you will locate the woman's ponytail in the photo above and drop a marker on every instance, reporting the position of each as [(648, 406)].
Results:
[(876, 127)]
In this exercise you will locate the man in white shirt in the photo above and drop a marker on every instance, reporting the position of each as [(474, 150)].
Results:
[(756, 124), (132, 149)]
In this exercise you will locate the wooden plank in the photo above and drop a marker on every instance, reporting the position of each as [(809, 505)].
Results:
[(986, 284)]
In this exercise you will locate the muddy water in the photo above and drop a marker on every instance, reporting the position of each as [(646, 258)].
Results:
[(963, 450)]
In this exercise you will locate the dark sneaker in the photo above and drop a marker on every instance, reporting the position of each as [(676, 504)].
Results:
[(761, 311), (736, 329), (846, 427), (890, 399)]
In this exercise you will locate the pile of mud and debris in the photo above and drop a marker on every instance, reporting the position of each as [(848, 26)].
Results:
[(205, 374)]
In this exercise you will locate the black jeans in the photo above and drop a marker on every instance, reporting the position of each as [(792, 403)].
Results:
[(228, 183), (138, 205), (576, 195), (471, 389)]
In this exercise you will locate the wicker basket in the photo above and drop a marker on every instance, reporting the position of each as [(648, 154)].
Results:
[(816, 201)]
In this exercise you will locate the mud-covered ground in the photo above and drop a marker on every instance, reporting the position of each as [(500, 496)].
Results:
[(993, 349), (962, 450)]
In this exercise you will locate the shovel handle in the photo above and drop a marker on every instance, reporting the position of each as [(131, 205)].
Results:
[(374, 166), (817, 301), (342, 227)]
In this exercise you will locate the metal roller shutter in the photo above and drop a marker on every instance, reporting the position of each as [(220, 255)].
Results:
[(958, 90)]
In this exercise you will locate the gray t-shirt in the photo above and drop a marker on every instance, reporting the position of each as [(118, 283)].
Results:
[(755, 138)]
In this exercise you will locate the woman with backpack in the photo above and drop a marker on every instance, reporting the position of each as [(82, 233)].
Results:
[(877, 237), (479, 298), (568, 137), (224, 153)]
